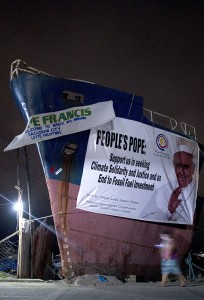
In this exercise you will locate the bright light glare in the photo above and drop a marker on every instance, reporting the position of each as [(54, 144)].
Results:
[(18, 206)]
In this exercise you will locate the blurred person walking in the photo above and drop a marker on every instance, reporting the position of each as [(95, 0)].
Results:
[(169, 261)]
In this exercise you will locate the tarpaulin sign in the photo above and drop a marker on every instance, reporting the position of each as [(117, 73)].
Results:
[(51, 125), (141, 172)]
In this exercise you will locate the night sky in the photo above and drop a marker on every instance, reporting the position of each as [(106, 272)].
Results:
[(154, 49)]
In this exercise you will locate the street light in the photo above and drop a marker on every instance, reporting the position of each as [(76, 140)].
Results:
[(19, 206)]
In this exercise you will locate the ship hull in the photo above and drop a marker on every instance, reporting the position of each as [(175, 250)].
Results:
[(88, 242), (95, 243)]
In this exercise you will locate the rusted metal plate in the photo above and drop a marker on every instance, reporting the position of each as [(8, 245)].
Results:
[(41, 247), (95, 243)]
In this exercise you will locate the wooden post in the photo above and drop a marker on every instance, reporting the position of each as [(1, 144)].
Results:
[(25, 249), (19, 212), (30, 233), (23, 267)]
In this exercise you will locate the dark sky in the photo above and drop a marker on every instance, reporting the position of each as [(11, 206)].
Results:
[(154, 49)]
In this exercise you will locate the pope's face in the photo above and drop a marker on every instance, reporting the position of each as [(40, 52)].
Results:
[(184, 168)]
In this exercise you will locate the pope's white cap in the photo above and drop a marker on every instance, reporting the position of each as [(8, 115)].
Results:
[(184, 148)]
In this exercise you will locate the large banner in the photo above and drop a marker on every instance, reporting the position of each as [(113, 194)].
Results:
[(140, 172), (54, 124)]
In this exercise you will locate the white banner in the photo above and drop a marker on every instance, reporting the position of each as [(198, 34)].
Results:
[(54, 124), (140, 172)]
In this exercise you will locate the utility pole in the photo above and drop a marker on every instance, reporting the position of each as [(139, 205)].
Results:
[(20, 219), (24, 268), (29, 212)]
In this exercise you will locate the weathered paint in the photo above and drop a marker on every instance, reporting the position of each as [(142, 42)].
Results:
[(94, 243)]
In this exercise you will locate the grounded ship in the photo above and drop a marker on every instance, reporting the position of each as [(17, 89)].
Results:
[(88, 242)]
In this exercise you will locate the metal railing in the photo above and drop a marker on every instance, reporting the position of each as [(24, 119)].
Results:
[(170, 123)]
